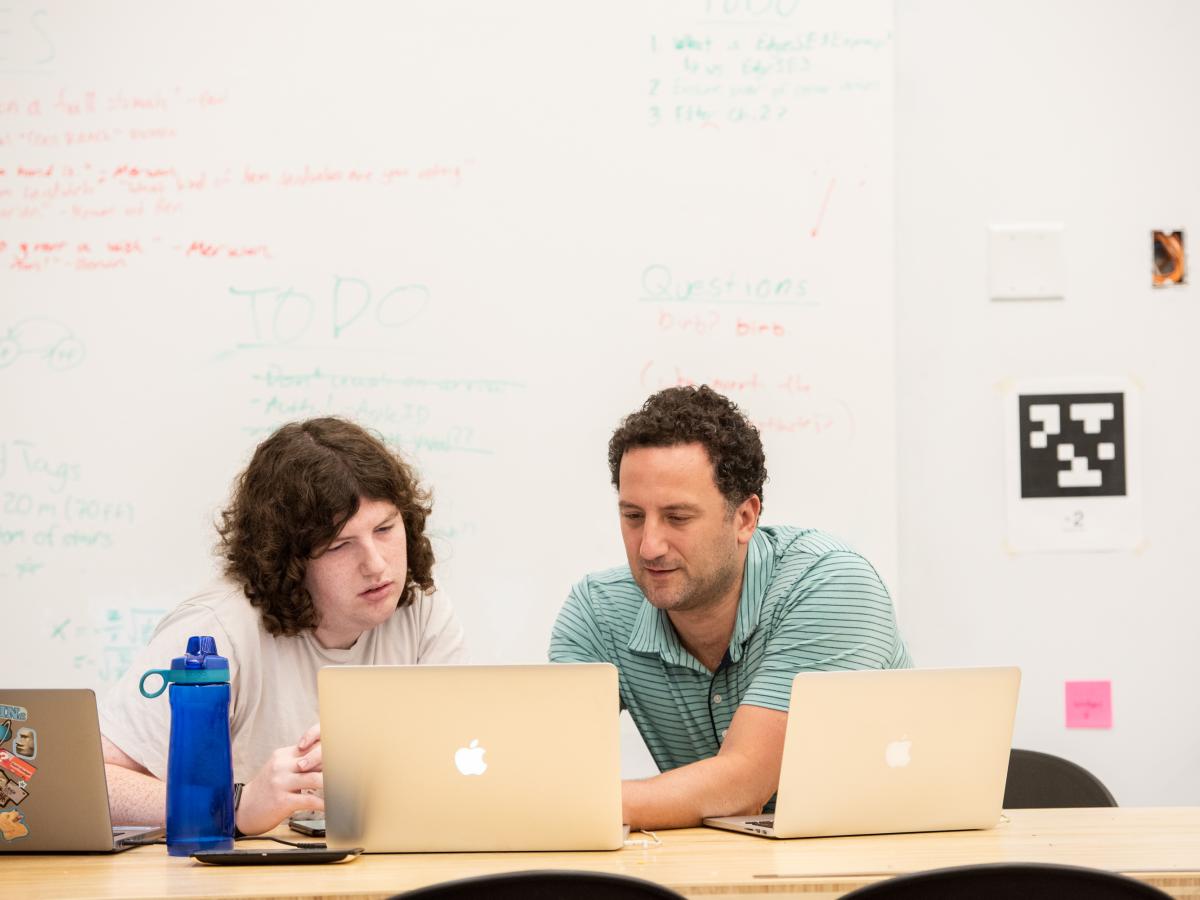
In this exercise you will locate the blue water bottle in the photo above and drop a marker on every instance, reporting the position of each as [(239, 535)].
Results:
[(200, 758)]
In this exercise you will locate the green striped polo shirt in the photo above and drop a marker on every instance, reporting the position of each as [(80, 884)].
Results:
[(808, 602)]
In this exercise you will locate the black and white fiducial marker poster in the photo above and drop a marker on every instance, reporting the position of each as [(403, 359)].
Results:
[(1073, 478)]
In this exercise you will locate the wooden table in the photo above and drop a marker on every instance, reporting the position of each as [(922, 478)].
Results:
[(1161, 846)]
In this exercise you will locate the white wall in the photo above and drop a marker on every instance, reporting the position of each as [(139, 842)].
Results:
[(1079, 113)]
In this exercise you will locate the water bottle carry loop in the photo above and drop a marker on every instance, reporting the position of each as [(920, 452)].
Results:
[(164, 674), (182, 676)]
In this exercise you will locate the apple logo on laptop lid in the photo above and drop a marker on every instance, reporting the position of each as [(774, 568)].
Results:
[(898, 753), (469, 760)]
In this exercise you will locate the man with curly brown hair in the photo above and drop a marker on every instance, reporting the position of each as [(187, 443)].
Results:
[(326, 562), (714, 614)]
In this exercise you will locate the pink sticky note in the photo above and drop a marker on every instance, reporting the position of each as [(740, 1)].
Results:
[(1089, 704)]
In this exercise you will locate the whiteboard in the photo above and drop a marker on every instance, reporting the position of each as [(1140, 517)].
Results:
[(486, 230)]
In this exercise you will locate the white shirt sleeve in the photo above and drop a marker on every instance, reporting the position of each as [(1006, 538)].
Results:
[(441, 639), (139, 726)]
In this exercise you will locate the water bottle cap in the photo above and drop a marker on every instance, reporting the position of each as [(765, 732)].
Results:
[(200, 664), (201, 653)]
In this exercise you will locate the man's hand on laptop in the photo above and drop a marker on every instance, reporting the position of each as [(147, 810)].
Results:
[(287, 782)]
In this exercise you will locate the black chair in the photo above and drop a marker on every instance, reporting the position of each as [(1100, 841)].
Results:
[(1006, 881), (1044, 781), (545, 884)]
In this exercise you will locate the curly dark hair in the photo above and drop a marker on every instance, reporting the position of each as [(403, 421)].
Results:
[(303, 484), (697, 415)]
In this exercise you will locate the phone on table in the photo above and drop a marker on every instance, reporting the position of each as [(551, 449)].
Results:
[(260, 857), (313, 827)]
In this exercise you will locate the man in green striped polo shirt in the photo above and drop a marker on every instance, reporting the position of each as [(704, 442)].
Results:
[(714, 615)]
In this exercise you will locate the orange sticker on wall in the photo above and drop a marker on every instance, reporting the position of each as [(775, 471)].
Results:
[(1170, 260)]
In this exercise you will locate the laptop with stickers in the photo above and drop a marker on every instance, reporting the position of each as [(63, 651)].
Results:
[(472, 758), (891, 751), (53, 793)]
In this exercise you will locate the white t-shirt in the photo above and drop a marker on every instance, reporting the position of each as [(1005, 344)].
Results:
[(273, 680)]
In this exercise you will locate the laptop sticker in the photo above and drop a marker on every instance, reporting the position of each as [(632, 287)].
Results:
[(12, 792), (15, 713), (10, 719), (12, 825), (22, 770), (25, 743)]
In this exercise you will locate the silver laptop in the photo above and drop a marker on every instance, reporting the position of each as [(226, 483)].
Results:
[(53, 793), (428, 758), (893, 750)]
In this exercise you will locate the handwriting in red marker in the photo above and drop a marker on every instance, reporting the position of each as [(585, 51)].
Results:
[(824, 204), (226, 251)]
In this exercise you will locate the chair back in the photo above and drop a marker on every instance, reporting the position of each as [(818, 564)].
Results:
[(544, 885), (1043, 781), (1003, 881)]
